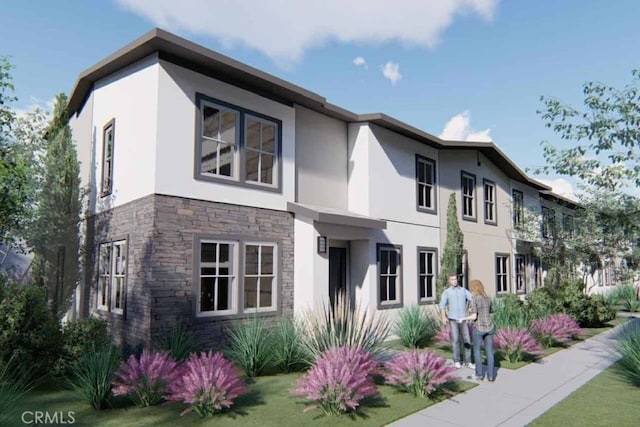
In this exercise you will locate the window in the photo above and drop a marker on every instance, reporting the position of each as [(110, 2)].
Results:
[(112, 276), (490, 216), (468, 196), (389, 276), (238, 146), (568, 226), (536, 267), (259, 276), (548, 223), (521, 277), (502, 273), (425, 182), (518, 209), (427, 261), (235, 277), (106, 186)]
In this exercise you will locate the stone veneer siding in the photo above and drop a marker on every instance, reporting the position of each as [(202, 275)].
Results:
[(161, 232)]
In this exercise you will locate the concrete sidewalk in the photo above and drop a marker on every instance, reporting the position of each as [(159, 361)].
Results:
[(518, 397)]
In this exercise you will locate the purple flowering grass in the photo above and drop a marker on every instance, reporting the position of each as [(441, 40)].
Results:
[(514, 343), (418, 372), (555, 329)]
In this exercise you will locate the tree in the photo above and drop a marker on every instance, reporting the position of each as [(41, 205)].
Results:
[(54, 234), (453, 248)]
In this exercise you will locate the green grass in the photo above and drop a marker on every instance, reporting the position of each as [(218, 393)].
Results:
[(607, 400), (268, 403)]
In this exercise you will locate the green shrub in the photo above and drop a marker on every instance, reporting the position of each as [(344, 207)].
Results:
[(79, 337), (93, 374), (541, 303), (625, 295), (28, 329), (415, 327), (628, 346), (179, 342), (590, 311), (14, 386), (509, 312), (250, 346), (288, 350)]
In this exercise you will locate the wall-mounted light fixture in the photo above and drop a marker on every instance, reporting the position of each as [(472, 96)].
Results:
[(322, 244)]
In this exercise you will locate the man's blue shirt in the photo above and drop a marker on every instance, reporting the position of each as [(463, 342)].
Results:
[(456, 297)]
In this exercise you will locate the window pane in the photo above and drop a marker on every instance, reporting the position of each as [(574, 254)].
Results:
[(393, 262), (384, 262), (428, 173), (208, 271), (208, 252), (118, 290), (267, 260), (253, 134), (251, 259), (210, 122), (224, 293), (104, 290), (430, 262), (226, 160), (250, 292), (206, 293), (422, 260), (383, 289), (266, 291), (228, 127), (224, 260), (209, 157), (252, 165), (421, 194), (423, 284), (267, 169), (268, 138), (429, 285), (392, 288), (421, 172)]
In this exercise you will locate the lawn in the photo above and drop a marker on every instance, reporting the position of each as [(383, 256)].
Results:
[(607, 400), (269, 403)]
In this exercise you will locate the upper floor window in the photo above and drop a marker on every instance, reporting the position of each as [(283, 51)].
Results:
[(427, 262), (568, 226), (490, 215), (548, 223), (518, 209), (389, 276), (108, 132), (468, 196), (112, 276), (425, 182), (502, 273), (235, 145)]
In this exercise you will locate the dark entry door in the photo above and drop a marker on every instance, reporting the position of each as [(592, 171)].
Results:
[(337, 273)]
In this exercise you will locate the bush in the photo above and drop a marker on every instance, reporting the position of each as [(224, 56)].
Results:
[(79, 337), (415, 327), (146, 378), (590, 311), (418, 373), (288, 350), (509, 312), (329, 327), (179, 342), (208, 383), (515, 343), (541, 303), (628, 346), (28, 329), (14, 386), (93, 374), (250, 347), (625, 295), (555, 329), (339, 380)]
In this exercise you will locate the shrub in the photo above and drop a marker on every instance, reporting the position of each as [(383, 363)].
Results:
[(628, 346), (145, 378), (249, 347), (625, 295), (288, 350), (28, 329), (79, 337), (339, 380), (509, 312), (328, 327), (415, 327), (514, 343), (590, 311), (540, 303), (93, 374), (208, 383), (555, 329), (419, 373), (14, 386), (179, 342)]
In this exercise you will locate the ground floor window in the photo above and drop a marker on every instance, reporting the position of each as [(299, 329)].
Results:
[(520, 276), (427, 261), (389, 275), (112, 276), (502, 273)]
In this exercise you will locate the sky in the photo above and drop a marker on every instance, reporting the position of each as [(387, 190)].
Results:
[(459, 69)]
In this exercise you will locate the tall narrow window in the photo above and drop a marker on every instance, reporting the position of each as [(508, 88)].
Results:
[(218, 141), (518, 209), (106, 186), (520, 274), (389, 275), (261, 148), (548, 223), (568, 226), (468, 196), (490, 216), (425, 183), (104, 276), (119, 269), (259, 276), (427, 261), (502, 273), (217, 277)]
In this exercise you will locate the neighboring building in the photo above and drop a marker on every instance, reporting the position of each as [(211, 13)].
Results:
[(218, 192)]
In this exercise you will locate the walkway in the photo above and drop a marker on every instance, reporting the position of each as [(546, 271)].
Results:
[(518, 397)]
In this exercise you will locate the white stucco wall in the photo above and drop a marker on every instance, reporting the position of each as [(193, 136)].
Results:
[(359, 167), (83, 134)]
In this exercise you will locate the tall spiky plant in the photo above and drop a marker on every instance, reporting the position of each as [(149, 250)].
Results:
[(451, 261)]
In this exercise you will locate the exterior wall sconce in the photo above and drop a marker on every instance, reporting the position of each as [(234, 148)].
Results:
[(322, 244)]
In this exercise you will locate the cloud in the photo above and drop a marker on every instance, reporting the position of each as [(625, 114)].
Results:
[(33, 104), (360, 62), (561, 186), (391, 71), (458, 128), (285, 29)]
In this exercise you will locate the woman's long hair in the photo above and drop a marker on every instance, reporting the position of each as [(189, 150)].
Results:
[(477, 288)]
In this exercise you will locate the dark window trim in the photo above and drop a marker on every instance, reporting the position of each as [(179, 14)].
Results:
[(381, 306), (524, 273), (474, 217), (240, 240), (434, 209), (435, 274), (241, 180), (104, 192), (507, 273), (517, 224), (495, 202), (109, 310)]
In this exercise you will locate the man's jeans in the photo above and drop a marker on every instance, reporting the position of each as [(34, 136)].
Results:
[(457, 331), (478, 339)]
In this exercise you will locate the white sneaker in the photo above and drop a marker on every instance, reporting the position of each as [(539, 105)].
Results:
[(471, 365), (457, 365)]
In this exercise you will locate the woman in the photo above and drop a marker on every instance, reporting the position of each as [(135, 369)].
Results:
[(480, 309)]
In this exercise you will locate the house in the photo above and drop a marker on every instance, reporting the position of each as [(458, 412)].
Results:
[(218, 192)]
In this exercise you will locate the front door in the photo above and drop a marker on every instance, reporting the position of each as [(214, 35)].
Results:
[(337, 273)]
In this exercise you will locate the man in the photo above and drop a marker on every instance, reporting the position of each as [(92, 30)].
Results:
[(453, 307)]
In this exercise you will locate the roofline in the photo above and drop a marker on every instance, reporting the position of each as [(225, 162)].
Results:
[(562, 199)]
